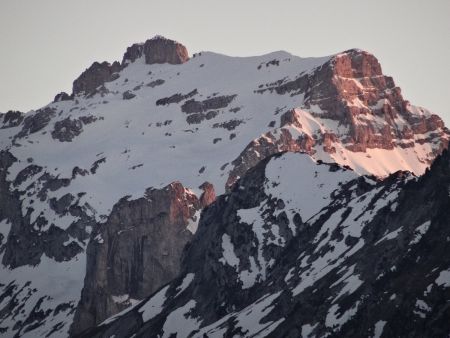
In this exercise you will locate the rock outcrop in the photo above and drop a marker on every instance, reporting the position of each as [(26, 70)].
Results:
[(157, 50), (162, 50), (136, 251), (63, 96), (35, 121), (208, 196), (93, 77), (11, 119)]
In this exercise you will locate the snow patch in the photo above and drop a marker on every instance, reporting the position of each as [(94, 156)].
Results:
[(443, 279), (154, 305), (229, 257), (379, 327), (419, 232), (180, 323)]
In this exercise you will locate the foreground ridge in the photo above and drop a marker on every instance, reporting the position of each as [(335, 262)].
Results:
[(369, 259)]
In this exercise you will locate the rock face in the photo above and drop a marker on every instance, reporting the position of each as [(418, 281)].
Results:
[(66, 130), (157, 50), (11, 119), (273, 142), (208, 196), (136, 251), (93, 77), (162, 50), (63, 96), (36, 122), (369, 259), (352, 89)]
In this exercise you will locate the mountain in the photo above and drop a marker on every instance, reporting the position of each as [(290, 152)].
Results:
[(301, 249), (103, 188)]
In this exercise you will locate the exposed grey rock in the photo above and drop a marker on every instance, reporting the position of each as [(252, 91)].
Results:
[(229, 125), (136, 251), (133, 53), (155, 83), (96, 75), (176, 98), (197, 118), (48, 182), (65, 130), (11, 119), (128, 95), (96, 164), (218, 102), (63, 96), (78, 171), (26, 173), (61, 205), (34, 122)]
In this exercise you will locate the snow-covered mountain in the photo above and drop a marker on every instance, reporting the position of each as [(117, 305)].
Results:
[(89, 162), (300, 249)]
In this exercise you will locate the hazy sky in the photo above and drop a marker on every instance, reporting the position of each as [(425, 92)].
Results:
[(46, 44)]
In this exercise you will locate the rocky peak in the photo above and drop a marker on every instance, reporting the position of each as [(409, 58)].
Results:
[(63, 96), (132, 53), (96, 75), (356, 63), (352, 83), (12, 118), (157, 50), (352, 89)]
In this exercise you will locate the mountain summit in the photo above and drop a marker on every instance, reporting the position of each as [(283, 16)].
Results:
[(103, 188)]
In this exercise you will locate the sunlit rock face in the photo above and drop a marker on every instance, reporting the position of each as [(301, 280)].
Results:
[(135, 251), (157, 50)]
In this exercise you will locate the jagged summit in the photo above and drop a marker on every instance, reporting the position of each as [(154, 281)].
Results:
[(155, 50)]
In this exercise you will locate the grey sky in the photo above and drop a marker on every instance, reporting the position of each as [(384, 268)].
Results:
[(46, 44)]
